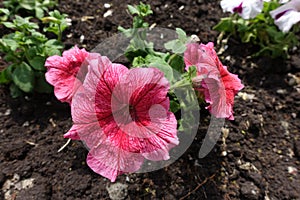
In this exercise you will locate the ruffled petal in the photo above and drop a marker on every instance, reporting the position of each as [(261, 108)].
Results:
[(111, 161), (62, 72), (122, 116), (218, 85), (247, 9)]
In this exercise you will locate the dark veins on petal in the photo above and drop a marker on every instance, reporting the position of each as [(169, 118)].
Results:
[(238, 9)]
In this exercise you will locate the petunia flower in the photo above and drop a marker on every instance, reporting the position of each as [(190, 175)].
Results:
[(247, 9), (62, 72), (287, 15), (214, 81), (122, 116)]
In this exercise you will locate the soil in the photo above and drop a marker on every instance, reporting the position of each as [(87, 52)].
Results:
[(259, 159)]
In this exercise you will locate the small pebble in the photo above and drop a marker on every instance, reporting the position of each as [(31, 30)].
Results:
[(81, 39), (181, 8), (224, 153), (107, 5), (292, 170), (250, 191), (117, 191), (25, 124), (108, 13)]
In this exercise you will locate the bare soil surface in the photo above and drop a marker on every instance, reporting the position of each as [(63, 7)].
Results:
[(260, 158)]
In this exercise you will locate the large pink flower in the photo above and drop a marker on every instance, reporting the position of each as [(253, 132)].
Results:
[(217, 84), (122, 116), (62, 72)]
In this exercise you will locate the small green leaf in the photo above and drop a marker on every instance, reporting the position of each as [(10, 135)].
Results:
[(5, 76), (26, 5), (162, 65), (174, 106), (9, 25), (14, 91), (133, 10), (23, 77), (39, 13), (4, 10), (139, 61), (247, 37), (37, 63), (226, 25), (181, 35), (192, 72), (176, 62), (175, 46), (12, 44)]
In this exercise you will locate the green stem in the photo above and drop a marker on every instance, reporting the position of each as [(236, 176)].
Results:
[(179, 84), (59, 35)]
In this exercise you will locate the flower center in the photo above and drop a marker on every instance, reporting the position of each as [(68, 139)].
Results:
[(238, 9), (133, 113)]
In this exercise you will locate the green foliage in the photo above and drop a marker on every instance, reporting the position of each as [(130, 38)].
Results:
[(141, 53), (260, 31), (36, 7), (178, 45), (138, 44), (4, 14), (27, 49), (57, 23)]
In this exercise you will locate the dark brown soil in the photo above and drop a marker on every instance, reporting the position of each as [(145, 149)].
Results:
[(260, 158)]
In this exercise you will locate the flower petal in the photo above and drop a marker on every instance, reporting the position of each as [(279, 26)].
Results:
[(103, 119), (111, 161), (62, 72), (247, 9)]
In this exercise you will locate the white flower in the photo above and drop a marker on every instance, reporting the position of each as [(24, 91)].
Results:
[(287, 15), (247, 9)]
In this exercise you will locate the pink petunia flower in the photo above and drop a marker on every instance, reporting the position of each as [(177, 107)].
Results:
[(62, 72), (216, 84), (247, 9), (287, 15), (122, 116)]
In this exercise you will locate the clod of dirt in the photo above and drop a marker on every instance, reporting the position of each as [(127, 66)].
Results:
[(297, 149), (250, 191), (117, 191), (12, 186), (2, 178)]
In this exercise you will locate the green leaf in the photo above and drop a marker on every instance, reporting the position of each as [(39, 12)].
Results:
[(4, 10), (41, 85), (6, 14), (248, 36), (174, 106), (176, 62), (175, 46), (226, 25), (53, 47), (23, 77), (192, 72), (139, 62), (27, 5), (181, 35), (9, 25), (39, 13), (14, 91), (162, 65), (133, 10), (37, 63), (10, 43), (5, 76)]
